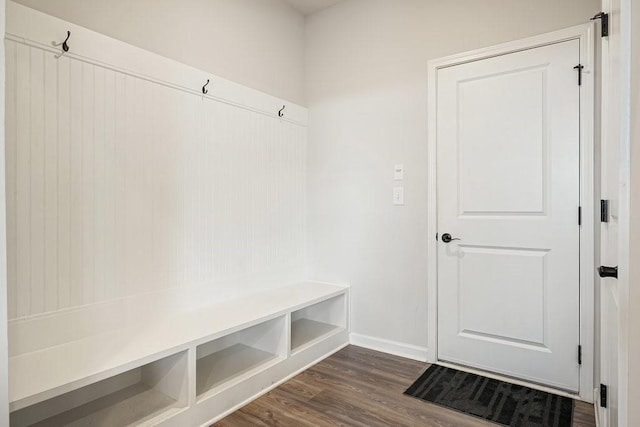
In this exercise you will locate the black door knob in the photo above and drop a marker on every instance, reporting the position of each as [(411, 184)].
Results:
[(446, 237), (605, 271)]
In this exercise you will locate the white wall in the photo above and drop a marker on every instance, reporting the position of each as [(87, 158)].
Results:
[(366, 82), (257, 43)]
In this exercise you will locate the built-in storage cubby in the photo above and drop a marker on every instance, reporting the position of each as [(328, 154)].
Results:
[(183, 369), (227, 360), (317, 321), (140, 396)]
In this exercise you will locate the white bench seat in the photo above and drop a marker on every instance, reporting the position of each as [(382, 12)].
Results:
[(46, 373)]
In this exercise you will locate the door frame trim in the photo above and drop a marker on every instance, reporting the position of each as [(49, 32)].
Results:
[(585, 34)]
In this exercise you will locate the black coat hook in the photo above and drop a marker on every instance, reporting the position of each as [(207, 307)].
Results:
[(204, 88), (65, 46), (280, 113)]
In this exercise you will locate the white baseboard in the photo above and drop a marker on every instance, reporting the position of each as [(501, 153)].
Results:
[(409, 351)]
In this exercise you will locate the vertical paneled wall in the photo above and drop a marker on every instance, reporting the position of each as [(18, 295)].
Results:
[(118, 185)]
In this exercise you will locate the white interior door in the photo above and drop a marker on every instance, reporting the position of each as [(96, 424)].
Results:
[(508, 147)]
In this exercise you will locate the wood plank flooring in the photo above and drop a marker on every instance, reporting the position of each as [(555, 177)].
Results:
[(359, 387)]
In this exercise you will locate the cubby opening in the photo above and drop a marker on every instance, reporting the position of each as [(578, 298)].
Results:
[(227, 360), (140, 396), (316, 322)]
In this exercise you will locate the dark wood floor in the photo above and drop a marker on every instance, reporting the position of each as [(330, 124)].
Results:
[(359, 387)]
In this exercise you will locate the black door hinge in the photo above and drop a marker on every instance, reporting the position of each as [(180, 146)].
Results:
[(579, 355), (603, 395), (436, 237), (604, 23), (579, 215), (579, 67), (604, 211)]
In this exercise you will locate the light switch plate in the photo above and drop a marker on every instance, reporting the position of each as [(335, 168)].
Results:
[(398, 172), (398, 196)]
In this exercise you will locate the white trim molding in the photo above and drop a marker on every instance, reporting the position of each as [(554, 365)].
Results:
[(585, 34), (37, 29), (408, 351)]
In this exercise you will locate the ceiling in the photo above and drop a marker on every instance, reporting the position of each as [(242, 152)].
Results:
[(307, 7)]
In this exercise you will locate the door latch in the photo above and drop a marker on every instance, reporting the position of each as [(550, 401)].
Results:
[(605, 271)]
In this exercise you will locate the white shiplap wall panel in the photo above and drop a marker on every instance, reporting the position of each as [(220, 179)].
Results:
[(36, 179), (11, 121), (63, 184), (118, 185), (75, 183), (50, 207), (22, 181)]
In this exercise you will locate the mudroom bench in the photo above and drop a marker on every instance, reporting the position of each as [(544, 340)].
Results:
[(134, 362)]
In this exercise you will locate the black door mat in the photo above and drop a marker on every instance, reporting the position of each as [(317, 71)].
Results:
[(491, 399)]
